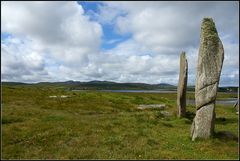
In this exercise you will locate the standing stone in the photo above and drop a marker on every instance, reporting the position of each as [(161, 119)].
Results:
[(182, 86), (210, 61), (236, 105)]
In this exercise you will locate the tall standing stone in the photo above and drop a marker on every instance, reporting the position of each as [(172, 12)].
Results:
[(182, 86), (210, 61)]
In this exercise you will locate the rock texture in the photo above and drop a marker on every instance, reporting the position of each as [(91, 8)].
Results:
[(236, 105), (165, 113), (159, 106), (182, 85), (210, 61)]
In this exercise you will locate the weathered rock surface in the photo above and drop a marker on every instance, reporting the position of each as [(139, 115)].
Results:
[(236, 105), (210, 61), (166, 113), (62, 96), (159, 106), (182, 86)]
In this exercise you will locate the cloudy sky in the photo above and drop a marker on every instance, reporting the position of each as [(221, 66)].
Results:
[(113, 41)]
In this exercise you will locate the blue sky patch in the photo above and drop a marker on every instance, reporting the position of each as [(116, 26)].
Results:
[(5, 35), (90, 6), (110, 37)]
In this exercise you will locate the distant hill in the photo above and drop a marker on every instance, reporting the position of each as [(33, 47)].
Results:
[(166, 86), (14, 83), (98, 85), (108, 85)]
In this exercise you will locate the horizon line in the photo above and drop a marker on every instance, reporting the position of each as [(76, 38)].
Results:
[(103, 81)]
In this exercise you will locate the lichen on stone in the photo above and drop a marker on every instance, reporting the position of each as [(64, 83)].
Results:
[(209, 32)]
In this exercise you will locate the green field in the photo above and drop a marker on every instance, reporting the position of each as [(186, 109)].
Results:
[(104, 125)]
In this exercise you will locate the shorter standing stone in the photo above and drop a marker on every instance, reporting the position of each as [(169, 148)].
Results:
[(182, 86)]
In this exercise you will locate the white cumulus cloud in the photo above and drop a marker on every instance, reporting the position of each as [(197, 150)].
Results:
[(57, 41)]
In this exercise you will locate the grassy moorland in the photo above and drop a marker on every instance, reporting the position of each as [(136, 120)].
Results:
[(103, 125)]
